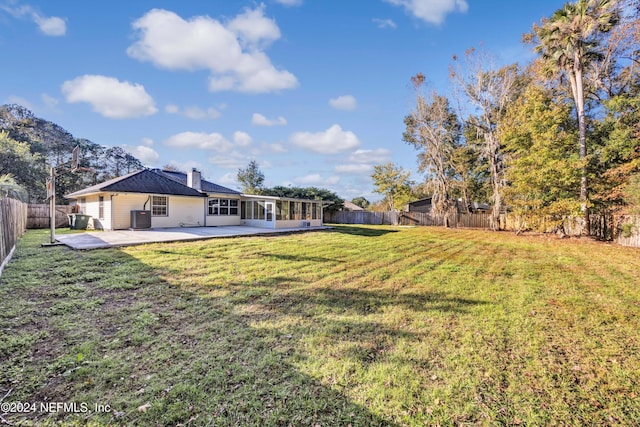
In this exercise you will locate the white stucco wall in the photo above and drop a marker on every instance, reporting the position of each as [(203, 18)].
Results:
[(123, 204), (92, 207), (183, 212)]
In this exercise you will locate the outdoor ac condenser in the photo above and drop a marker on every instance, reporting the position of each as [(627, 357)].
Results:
[(140, 220)]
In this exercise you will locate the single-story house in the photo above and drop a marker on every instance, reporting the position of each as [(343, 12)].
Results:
[(154, 198), (352, 207)]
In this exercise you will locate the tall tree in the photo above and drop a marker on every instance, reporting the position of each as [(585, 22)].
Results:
[(251, 178), (542, 171), (489, 90), (26, 168), (433, 129), (393, 183), (10, 188), (568, 41)]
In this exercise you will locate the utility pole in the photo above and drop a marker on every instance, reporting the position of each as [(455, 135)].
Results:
[(52, 204)]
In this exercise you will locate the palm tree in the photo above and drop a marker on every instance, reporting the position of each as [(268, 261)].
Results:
[(568, 41), (10, 188)]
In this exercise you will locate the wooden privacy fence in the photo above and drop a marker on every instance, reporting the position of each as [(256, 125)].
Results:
[(627, 230), (13, 222), (38, 216), (476, 220), (621, 229)]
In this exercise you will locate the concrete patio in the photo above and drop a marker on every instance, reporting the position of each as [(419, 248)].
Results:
[(108, 239)]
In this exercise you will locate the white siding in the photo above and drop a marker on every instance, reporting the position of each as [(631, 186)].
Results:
[(183, 212), (123, 204), (92, 208)]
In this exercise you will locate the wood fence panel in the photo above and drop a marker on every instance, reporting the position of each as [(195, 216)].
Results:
[(603, 227), (13, 223), (627, 235), (38, 216)]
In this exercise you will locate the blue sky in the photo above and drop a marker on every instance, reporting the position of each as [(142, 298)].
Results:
[(315, 91)]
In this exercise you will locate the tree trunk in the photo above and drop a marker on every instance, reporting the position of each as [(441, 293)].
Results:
[(582, 129)]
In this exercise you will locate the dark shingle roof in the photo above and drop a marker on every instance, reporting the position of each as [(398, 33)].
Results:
[(144, 181), (206, 186)]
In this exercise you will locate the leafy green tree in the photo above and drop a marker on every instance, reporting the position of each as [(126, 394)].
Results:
[(543, 168), (361, 201), (632, 193), (50, 144), (393, 183), (488, 90), (434, 130), (26, 168), (10, 188), (251, 178), (568, 42)]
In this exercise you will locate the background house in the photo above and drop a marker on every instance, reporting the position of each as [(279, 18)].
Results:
[(348, 206)]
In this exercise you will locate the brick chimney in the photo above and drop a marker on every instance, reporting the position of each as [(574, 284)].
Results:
[(194, 179)]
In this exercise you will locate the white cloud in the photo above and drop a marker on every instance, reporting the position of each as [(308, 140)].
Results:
[(232, 53), (50, 101), (109, 96), (193, 112), (228, 179), (242, 139), (379, 155), (148, 142), (316, 179), (274, 148), (48, 25), (353, 168), (253, 28), (332, 141), (431, 11), (13, 99), (384, 23), (171, 109), (289, 2), (232, 160), (259, 120), (204, 141), (52, 26), (147, 155), (345, 102)]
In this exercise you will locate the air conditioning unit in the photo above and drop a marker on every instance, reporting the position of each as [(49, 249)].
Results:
[(140, 220)]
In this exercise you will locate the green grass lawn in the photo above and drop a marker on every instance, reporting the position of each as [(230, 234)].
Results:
[(357, 326)]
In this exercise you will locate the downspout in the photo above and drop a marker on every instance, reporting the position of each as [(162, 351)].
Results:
[(112, 211)]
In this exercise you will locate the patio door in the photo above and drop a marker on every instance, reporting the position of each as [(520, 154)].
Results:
[(269, 211)]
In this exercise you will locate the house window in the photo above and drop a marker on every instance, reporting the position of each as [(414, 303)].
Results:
[(317, 211), (101, 207), (159, 205), (83, 204), (259, 210), (245, 210), (223, 207), (296, 210), (214, 206), (282, 210), (233, 207)]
